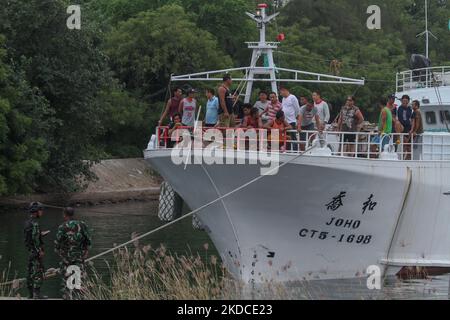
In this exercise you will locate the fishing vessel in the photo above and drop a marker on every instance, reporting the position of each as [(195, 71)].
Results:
[(321, 213)]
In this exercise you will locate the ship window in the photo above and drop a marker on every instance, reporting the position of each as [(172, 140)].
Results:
[(445, 116), (431, 117)]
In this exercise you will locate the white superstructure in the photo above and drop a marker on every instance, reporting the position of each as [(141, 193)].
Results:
[(431, 87)]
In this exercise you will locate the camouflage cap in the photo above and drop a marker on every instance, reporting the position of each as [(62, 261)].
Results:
[(35, 207)]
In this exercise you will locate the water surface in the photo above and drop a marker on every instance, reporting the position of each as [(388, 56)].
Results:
[(110, 225), (114, 224)]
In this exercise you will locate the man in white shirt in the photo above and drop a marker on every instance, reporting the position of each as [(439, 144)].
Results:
[(291, 109), (322, 107)]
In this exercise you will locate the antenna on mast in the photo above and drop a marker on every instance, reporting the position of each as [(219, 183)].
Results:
[(427, 33), (261, 48), (262, 19)]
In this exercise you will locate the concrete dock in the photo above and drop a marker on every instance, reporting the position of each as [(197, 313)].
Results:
[(119, 180)]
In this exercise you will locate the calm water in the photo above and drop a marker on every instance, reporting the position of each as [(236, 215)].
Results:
[(114, 224), (110, 225)]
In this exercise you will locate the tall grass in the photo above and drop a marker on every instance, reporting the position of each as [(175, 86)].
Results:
[(10, 289), (147, 274), (143, 273)]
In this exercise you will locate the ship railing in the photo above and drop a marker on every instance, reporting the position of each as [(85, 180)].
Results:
[(239, 138), (423, 78), (368, 145)]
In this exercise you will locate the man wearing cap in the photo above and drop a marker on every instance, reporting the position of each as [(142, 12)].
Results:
[(72, 244), (35, 246)]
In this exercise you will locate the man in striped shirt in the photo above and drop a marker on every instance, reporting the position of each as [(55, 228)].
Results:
[(272, 109)]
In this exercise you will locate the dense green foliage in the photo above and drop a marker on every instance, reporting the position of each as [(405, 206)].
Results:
[(23, 125), (72, 97)]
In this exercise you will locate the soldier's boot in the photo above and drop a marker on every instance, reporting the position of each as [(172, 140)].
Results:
[(38, 296)]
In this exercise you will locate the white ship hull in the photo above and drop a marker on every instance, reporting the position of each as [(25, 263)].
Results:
[(285, 227)]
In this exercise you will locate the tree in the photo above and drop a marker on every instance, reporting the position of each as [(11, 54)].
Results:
[(69, 70), (128, 124), (23, 113), (226, 20), (145, 51)]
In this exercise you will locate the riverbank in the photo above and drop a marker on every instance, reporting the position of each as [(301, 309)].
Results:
[(119, 180)]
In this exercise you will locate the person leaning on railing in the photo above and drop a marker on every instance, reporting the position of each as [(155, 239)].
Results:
[(272, 109), (262, 104), (253, 121), (282, 126), (175, 125), (308, 113), (246, 111)]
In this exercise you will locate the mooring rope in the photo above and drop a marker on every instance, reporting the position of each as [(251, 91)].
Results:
[(53, 272)]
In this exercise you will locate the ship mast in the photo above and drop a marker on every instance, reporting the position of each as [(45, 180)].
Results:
[(261, 49), (427, 33), (268, 72)]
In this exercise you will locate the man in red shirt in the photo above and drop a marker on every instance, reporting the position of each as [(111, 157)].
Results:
[(172, 106)]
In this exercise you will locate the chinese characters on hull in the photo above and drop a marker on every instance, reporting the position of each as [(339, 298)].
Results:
[(338, 202), (369, 205)]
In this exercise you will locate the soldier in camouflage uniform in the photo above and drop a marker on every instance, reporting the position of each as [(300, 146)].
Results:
[(35, 246), (72, 245)]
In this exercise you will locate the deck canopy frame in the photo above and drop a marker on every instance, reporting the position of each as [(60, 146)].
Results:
[(256, 74), (296, 76)]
